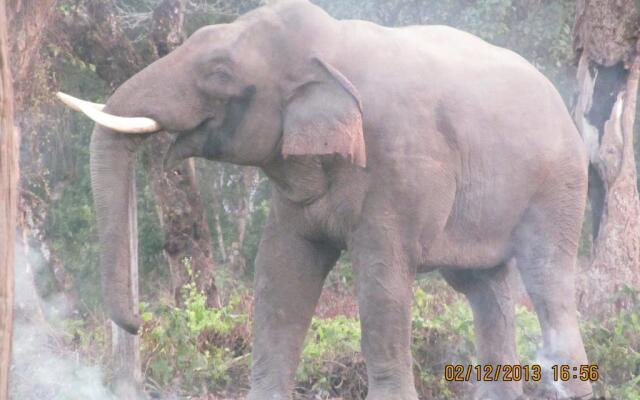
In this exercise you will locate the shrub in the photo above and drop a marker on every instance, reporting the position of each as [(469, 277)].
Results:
[(331, 364), (196, 348), (614, 345)]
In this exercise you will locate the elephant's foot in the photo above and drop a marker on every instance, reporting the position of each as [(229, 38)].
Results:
[(574, 390), (571, 358), (267, 395), (392, 394), (498, 391), (564, 391)]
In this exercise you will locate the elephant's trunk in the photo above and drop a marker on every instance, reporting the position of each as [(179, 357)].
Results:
[(137, 107), (113, 185)]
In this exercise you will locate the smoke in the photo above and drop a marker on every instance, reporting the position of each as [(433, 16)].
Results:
[(547, 371), (43, 368)]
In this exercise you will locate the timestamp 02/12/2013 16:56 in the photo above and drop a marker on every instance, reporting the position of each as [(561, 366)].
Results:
[(517, 372)]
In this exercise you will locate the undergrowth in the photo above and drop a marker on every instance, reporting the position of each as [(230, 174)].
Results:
[(192, 349)]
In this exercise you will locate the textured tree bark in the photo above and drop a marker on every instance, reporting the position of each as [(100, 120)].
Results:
[(183, 219), (27, 20), (180, 206), (608, 71), (94, 35), (125, 347), (9, 173)]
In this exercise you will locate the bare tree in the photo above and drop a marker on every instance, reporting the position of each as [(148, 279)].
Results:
[(8, 203), (607, 38), (231, 191), (243, 210)]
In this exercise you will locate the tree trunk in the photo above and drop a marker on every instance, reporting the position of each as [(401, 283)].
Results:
[(608, 70), (181, 211), (215, 193), (247, 185), (125, 347), (183, 219), (237, 205), (8, 204), (28, 21)]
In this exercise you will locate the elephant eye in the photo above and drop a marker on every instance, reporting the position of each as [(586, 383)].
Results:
[(216, 80), (220, 75)]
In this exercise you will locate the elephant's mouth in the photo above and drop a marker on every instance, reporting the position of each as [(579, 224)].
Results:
[(211, 139)]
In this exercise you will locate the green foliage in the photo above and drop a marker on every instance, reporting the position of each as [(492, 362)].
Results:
[(442, 334), (88, 338), (71, 232), (152, 264), (433, 323), (194, 346), (614, 345), (193, 349), (528, 335), (328, 340)]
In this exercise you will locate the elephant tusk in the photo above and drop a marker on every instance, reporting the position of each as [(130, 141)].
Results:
[(74, 103), (133, 125)]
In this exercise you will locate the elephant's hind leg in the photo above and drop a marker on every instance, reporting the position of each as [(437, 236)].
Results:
[(546, 247), (490, 296)]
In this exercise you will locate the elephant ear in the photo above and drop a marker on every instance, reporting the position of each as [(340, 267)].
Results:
[(324, 116)]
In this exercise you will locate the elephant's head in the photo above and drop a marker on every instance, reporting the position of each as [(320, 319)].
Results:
[(247, 92)]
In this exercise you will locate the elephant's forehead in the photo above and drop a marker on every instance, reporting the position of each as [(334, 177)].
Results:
[(259, 22), (223, 33)]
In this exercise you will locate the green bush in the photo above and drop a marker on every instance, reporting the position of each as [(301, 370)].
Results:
[(442, 334), (330, 359), (614, 345), (194, 346), (194, 349)]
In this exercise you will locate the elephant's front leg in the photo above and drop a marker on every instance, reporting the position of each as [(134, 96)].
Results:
[(384, 296), (289, 275)]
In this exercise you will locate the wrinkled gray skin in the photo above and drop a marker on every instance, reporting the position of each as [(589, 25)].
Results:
[(417, 149)]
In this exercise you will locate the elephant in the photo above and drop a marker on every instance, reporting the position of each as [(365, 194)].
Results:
[(415, 149)]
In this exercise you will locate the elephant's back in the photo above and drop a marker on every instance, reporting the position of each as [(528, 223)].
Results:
[(440, 102), (421, 81)]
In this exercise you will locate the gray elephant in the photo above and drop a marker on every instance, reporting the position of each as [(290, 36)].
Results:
[(416, 149)]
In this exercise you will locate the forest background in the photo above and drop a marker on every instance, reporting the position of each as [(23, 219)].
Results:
[(200, 224)]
